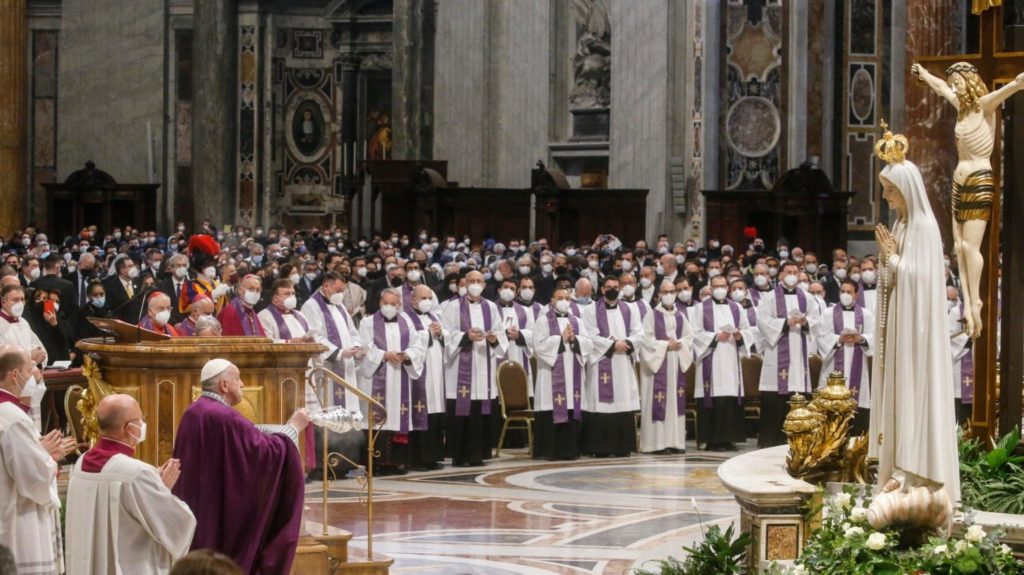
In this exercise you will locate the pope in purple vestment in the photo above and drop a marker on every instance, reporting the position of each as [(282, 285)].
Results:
[(243, 483)]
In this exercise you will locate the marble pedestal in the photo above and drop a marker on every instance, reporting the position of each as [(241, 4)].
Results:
[(772, 505)]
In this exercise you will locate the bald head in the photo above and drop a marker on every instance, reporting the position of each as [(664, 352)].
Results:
[(119, 418)]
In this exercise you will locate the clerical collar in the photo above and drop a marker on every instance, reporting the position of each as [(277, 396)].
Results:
[(789, 291), (216, 397), (392, 320), (849, 307), (509, 304), (8, 397), (9, 318), (611, 305), (868, 287), (722, 302), (282, 309), (668, 309)]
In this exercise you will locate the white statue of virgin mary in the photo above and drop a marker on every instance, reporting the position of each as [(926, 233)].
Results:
[(913, 425)]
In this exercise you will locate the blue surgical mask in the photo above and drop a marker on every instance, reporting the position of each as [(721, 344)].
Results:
[(99, 301)]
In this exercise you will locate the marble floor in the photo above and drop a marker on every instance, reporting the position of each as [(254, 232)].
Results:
[(517, 516)]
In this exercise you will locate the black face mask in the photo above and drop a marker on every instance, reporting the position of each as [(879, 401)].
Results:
[(85, 272), (693, 277), (611, 294), (397, 282)]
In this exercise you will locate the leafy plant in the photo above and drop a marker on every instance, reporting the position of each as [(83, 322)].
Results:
[(993, 480), (719, 554)]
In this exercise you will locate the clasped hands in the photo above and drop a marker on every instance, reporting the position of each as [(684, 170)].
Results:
[(396, 357), (57, 445), (476, 334), (568, 334), (724, 336)]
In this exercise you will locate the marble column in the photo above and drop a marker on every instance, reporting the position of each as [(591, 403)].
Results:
[(413, 79), (13, 90), (215, 105)]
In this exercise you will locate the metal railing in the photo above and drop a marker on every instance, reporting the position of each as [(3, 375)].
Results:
[(331, 458)]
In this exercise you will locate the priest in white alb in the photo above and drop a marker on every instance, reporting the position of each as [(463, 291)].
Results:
[(786, 318), (29, 503), (393, 360), (477, 339), (333, 327), (121, 514), (611, 395), (719, 344), (15, 330), (518, 320), (665, 356), (426, 445), (845, 339)]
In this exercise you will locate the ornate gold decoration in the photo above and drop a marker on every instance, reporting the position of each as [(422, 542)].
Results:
[(980, 6), (97, 390), (819, 435), (891, 149)]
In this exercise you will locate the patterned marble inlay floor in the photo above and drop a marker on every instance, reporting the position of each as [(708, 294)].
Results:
[(517, 516)]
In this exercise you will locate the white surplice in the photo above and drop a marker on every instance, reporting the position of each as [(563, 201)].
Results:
[(29, 503), (772, 329), (346, 368), (392, 399), (484, 355), (654, 353), (20, 334), (519, 352), (433, 362), (295, 330), (623, 370), (546, 347), (958, 341), (726, 372), (124, 520), (827, 340)]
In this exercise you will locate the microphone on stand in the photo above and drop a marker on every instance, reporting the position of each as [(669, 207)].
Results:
[(142, 309)]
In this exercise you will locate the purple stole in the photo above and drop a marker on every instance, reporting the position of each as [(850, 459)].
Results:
[(380, 377), (751, 317), (707, 363), (560, 409), (419, 385), (282, 326), (463, 392), (858, 352), (186, 327), (248, 328), (783, 349), (605, 386), (967, 371), (661, 376), (860, 293), (755, 295), (333, 335), (407, 298), (643, 307)]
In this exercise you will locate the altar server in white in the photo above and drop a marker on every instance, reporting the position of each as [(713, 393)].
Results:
[(333, 327), (664, 358), (121, 515), (845, 339)]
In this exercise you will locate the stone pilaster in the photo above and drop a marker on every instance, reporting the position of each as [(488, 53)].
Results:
[(215, 105), (13, 78), (413, 79)]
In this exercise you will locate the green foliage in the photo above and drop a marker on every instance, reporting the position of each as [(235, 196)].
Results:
[(992, 480), (846, 545), (719, 554)]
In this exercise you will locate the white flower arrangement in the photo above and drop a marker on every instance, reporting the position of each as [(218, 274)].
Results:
[(876, 541)]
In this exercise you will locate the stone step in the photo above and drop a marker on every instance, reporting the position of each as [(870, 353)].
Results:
[(337, 544), (311, 557), (358, 564)]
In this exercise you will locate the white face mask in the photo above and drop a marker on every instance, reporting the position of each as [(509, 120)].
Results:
[(507, 295), (855, 278), (475, 290), (413, 276), (209, 272), (289, 302), (685, 296), (773, 271), (524, 270), (142, 432), (627, 265), (811, 268), (311, 276), (338, 298), (35, 390), (18, 309), (546, 268), (562, 305), (251, 297), (790, 280), (738, 295), (162, 317), (760, 281), (660, 270), (498, 276), (868, 276), (846, 299), (425, 305), (804, 286), (463, 291), (668, 299), (593, 264), (840, 274), (570, 252), (133, 272), (526, 294), (645, 282), (155, 266), (294, 279), (34, 274), (389, 311), (680, 259), (783, 254), (361, 272), (628, 290), (180, 273), (714, 273), (719, 293)]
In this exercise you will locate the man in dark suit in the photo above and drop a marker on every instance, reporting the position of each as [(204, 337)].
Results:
[(80, 279), (834, 280), (121, 288), (52, 282), (309, 282), (171, 282), (30, 271)]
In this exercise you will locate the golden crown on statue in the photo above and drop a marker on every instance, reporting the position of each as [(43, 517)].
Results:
[(891, 149)]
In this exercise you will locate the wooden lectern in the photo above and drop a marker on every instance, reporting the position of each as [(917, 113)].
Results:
[(163, 376)]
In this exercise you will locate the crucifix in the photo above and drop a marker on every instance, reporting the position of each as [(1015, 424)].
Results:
[(996, 67)]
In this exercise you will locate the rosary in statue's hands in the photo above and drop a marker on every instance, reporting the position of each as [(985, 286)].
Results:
[(886, 243)]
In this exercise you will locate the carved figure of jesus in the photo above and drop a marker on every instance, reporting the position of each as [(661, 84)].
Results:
[(973, 182)]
